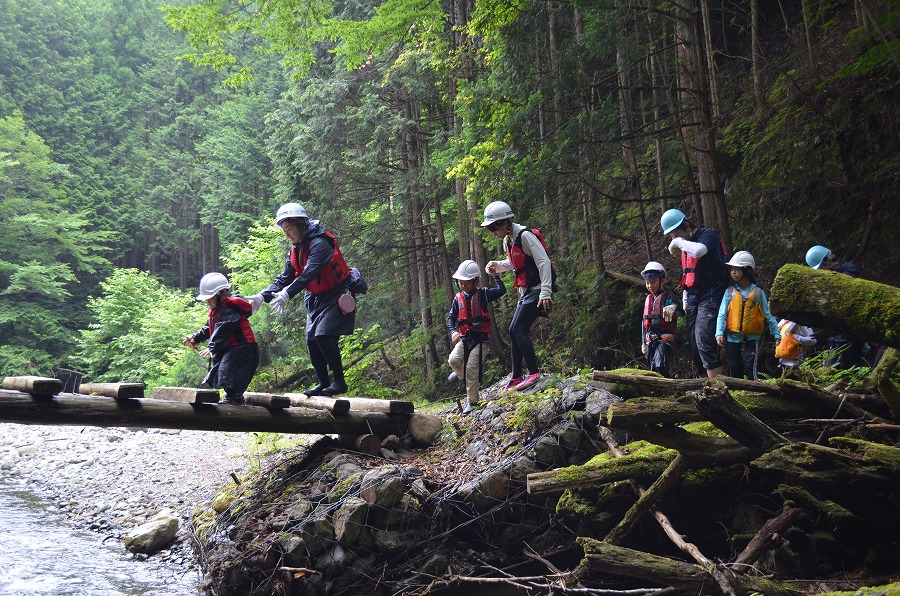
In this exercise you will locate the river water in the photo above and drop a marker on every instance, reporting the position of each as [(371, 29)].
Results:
[(42, 554)]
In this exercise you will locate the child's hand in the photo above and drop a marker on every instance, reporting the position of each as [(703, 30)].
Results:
[(669, 312), (720, 339), (455, 338), (205, 352), (644, 349)]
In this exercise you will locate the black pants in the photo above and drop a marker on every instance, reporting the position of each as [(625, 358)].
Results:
[(324, 353), (660, 355), (742, 359), (526, 314)]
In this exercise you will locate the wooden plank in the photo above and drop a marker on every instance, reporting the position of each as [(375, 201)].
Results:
[(267, 400), (33, 385), (389, 406), (187, 395), (116, 390), (81, 410), (337, 406)]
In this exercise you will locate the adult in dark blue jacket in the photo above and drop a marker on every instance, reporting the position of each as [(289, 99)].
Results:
[(844, 351), (704, 278), (315, 264)]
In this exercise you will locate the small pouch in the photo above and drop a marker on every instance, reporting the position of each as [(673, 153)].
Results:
[(347, 303)]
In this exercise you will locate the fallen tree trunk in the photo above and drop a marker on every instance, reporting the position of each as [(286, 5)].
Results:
[(608, 558), (881, 377), (640, 467), (717, 406), (769, 530), (73, 409), (862, 308)]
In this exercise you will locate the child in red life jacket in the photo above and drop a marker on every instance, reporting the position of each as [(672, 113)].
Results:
[(469, 322), (742, 319), (231, 342), (660, 320), (535, 279)]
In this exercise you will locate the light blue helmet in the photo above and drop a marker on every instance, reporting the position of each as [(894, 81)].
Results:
[(671, 219), (816, 255)]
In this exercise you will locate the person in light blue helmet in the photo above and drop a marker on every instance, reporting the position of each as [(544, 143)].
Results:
[(704, 279), (844, 351)]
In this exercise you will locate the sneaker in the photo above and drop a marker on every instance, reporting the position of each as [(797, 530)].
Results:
[(511, 384), (235, 400), (468, 409), (453, 377), (528, 381)]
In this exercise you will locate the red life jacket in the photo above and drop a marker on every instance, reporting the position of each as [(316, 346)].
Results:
[(653, 317), (527, 274), (244, 308), (689, 276), (472, 316), (332, 275)]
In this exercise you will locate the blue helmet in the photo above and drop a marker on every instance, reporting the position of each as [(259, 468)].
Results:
[(671, 219), (816, 255)]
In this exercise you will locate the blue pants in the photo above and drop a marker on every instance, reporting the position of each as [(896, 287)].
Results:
[(742, 358)]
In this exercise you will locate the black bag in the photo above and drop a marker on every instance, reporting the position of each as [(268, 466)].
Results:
[(357, 284)]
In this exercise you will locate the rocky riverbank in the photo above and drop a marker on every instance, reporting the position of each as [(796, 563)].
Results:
[(110, 480)]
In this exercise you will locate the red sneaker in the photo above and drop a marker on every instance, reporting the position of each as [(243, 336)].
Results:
[(512, 384), (528, 381)]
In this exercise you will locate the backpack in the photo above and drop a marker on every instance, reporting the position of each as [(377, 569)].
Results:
[(357, 284)]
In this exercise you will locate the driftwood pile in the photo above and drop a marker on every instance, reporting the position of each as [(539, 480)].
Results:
[(825, 466)]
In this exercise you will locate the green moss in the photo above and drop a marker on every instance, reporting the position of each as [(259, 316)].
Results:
[(885, 590), (343, 487)]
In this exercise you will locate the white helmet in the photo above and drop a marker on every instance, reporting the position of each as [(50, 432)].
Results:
[(742, 258), (497, 211), (654, 266), (467, 270), (289, 210), (211, 284)]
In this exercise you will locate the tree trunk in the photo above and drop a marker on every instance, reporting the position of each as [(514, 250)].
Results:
[(864, 309)]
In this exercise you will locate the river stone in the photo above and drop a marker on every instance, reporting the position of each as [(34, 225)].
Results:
[(318, 535), (153, 535), (27, 450)]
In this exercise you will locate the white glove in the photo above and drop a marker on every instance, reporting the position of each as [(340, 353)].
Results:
[(280, 301), (643, 348), (669, 312), (675, 246), (255, 301)]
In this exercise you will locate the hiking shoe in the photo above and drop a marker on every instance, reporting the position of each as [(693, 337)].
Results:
[(528, 381), (468, 409), (453, 377), (335, 388), (235, 400), (317, 390), (511, 384)]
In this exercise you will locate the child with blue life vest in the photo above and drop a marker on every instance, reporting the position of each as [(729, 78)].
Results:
[(230, 340), (659, 321), (743, 316), (469, 322)]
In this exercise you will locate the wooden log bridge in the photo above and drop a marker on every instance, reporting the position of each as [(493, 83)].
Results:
[(72, 409)]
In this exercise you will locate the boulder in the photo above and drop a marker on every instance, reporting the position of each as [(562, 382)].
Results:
[(153, 535)]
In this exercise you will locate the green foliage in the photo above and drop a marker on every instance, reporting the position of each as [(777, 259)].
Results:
[(138, 328)]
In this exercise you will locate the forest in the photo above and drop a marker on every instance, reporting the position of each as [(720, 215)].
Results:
[(144, 145)]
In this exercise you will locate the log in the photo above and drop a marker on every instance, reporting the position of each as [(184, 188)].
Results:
[(337, 406), (881, 378), (862, 308), (769, 530), (640, 467), (80, 410), (33, 385), (267, 400), (707, 451), (188, 395), (116, 390), (367, 443), (388, 406), (608, 558), (423, 428), (717, 406)]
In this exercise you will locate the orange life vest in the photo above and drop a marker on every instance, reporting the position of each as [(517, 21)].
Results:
[(244, 307), (332, 275), (653, 318), (525, 269), (745, 315), (789, 347), (472, 316)]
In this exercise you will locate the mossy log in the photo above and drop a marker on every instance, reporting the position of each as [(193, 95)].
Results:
[(863, 308), (717, 406), (881, 378), (607, 558), (766, 534), (703, 450), (640, 467)]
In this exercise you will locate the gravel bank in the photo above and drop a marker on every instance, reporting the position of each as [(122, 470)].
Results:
[(110, 480)]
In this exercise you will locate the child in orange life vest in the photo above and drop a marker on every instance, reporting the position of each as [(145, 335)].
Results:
[(231, 342), (660, 320), (795, 341), (469, 322), (743, 315)]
